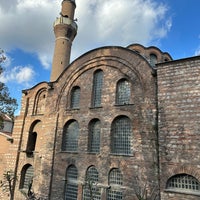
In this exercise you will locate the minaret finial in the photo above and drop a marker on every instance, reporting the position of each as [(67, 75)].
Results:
[(65, 29)]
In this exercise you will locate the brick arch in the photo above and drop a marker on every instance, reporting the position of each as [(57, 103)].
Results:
[(182, 170), (134, 66)]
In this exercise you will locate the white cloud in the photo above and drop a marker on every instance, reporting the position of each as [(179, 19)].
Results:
[(27, 24), (19, 74), (117, 22)]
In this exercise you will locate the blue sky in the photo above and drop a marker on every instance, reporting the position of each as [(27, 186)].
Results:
[(26, 33)]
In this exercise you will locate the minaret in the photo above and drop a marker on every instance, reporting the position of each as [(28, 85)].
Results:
[(65, 29)]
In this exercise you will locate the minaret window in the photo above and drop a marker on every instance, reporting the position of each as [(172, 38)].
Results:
[(121, 136), (97, 88), (115, 181), (123, 92), (90, 189), (71, 186), (94, 136), (70, 136), (69, 33), (75, 97)]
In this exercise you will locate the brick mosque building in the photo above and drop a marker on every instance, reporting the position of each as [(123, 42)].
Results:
[(114, 124)]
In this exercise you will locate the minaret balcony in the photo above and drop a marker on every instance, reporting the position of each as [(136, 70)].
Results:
[(66, 20)]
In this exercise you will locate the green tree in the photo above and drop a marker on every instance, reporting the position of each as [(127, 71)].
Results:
[(8, 105)]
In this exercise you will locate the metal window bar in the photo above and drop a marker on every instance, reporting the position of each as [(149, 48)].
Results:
[(115, 181), (71, 191), (114, 195), (75, 97), (70, 137), (183, 182), (97, 88), (123, 92), (121, 136), (91, 190), (115, 177), (94, 136)]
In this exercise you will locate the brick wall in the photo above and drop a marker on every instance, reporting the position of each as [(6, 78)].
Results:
[(179, 120)]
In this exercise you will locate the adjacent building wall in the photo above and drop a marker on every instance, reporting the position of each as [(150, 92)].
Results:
[(179, 122)]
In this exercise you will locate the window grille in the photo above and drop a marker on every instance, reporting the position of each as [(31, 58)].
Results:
[(75, 97), (70, 137), (123, 92), (121, 136), (183, 182), (94, 136), (97, 88), (114, 195), (115, 181), (26, 176), (91, 190), (115, 177), (71, 187)]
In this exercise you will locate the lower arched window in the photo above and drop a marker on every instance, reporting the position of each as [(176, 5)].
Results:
[(121, 136), (91, 189), (70, 136), (26, 177), (115, 182), (71, 186), (183, 183)]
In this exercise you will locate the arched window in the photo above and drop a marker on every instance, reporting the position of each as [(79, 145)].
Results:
[(153, 60), (40, 102), (35, 129), (75, 97), (94, 136), (70, 136), (32, 138), (183, 183), (26, 177), (123, 92), (121, 136), (91, 189), (71, 186), (97, 88), (115, 181)]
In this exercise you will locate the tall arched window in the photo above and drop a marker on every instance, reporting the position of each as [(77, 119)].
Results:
[(183, 183), (115, 181), (70, 136), (26, 177), (121, 136), (75, 97), (71, 186), (91, 189), (97, 88), (123, 92), (94, 136), (32, 138)]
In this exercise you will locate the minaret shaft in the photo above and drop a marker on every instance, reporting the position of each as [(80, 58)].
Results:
[(65, 30)]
